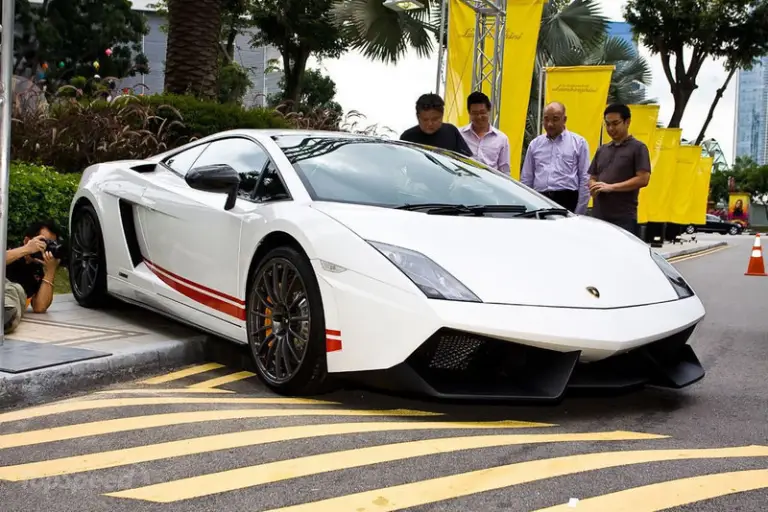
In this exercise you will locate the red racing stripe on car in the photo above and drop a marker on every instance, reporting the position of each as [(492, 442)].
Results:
[(332, 340), (215, 300)]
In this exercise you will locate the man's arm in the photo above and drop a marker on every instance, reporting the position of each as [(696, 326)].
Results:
[(529, 166), (461, 144), (504, 158), (42, 300), (583, 167), (34, 246)]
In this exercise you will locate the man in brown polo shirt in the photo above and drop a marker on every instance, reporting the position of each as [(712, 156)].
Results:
[(618, 171)]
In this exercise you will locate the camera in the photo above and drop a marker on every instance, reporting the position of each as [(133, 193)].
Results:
[(55, 248)]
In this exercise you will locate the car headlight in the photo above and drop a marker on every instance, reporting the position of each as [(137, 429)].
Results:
[(431, 278), (673, 276)]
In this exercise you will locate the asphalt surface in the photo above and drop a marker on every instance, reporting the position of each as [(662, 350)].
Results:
[(132, 448)]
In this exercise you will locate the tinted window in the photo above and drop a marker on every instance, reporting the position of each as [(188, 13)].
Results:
[(243, 155), (391, 173), (182, 162), (271, 186)]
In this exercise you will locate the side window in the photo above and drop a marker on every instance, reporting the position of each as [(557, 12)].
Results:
[(182, 162), (243, 155), (271, 187)]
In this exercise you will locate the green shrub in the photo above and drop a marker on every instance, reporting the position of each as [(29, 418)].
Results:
[(201, 118), (38, 193)]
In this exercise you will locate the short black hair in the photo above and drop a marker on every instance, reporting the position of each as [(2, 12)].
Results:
[(430, 102), (478, 98), (618, 108), (34, 229)]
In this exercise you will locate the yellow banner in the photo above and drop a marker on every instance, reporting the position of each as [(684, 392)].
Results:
[(683, 183), (697, 214), (584, 91), (663, 163), (522, 35), (461, 44)]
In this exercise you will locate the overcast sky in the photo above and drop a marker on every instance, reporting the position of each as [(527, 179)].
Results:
[(386, 94)]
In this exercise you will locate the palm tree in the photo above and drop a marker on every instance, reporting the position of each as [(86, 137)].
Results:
[(191, 60)]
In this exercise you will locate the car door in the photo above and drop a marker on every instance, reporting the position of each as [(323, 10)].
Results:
[(194, 243)]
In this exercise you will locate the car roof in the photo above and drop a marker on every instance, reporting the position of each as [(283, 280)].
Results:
[(263, 133)]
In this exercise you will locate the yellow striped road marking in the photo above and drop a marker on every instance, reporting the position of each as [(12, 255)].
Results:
[(219, 381), (186, 372), (96, 428), (124, 457), (89, 405), (698, 254), (240, 478), (675, 493), (465, 484), (160, 391)]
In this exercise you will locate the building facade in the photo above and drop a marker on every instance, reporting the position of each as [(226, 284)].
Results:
[(255, 60), (750, 137)]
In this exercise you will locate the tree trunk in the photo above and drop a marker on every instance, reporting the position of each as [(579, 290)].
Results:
[(294, 73), (712, 107), (682, 95), (192, 57)]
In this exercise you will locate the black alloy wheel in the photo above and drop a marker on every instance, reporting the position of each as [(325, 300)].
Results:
[(87, 268), (286, 324)]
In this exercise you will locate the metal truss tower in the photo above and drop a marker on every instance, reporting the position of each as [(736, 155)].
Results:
[(488, 58)]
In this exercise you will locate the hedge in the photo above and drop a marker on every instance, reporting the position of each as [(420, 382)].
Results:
[(38, 193)]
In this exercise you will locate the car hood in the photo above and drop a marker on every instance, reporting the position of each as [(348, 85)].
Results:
[(534, 262)]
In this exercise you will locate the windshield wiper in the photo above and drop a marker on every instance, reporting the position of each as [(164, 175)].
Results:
[(460, 209), (544, 212)]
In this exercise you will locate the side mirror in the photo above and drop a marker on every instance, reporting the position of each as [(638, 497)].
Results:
[(219, 178)]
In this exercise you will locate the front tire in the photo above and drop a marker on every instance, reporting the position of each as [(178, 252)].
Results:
[(286, 324), (88, 264)]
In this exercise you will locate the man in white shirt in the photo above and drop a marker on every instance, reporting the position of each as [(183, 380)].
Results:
[(488, 145)]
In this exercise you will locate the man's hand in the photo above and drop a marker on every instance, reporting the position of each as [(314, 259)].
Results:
[(49, 262), (35, 245), (598, 186)]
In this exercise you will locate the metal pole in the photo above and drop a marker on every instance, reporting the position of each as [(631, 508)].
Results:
[(540, 106), (443, 8), (6, 70)]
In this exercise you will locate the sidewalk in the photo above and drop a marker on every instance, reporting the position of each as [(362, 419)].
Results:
[(691, 245), (71, 348)]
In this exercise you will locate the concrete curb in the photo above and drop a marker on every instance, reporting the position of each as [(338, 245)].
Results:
[(42, 385), (693, 250)]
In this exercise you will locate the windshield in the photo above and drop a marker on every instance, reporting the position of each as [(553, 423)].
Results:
[(391, 173)]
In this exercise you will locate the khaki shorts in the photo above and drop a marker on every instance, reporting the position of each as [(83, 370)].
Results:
[(15, 305)]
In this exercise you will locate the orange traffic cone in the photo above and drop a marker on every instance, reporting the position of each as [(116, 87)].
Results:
[(756, 265)]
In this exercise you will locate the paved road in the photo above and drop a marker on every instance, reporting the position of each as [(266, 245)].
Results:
[(211, 438)]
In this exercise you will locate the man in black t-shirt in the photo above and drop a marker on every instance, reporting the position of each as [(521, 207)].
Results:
[(30, 272), (431, 130)]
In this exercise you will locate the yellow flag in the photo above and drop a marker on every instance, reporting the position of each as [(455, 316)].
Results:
[(683, 183), (663, 163), (584, 91), (459, 57), (523, 23), (522, 34), (697, 213)]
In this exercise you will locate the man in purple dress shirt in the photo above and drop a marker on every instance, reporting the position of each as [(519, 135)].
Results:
[(488, 145), (556, 162)]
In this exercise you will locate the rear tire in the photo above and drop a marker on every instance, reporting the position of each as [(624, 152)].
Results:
[(87, 260), (286, 324)]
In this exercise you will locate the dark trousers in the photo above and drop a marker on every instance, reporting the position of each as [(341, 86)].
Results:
[(627, 224), (568, 199)]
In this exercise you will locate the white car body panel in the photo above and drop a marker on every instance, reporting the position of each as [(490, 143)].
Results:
[(531, 274)]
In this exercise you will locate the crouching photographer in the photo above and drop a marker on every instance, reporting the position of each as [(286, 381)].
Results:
[(30, 272)]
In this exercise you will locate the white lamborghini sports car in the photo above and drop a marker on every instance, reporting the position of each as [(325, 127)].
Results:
[(338, 257)]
